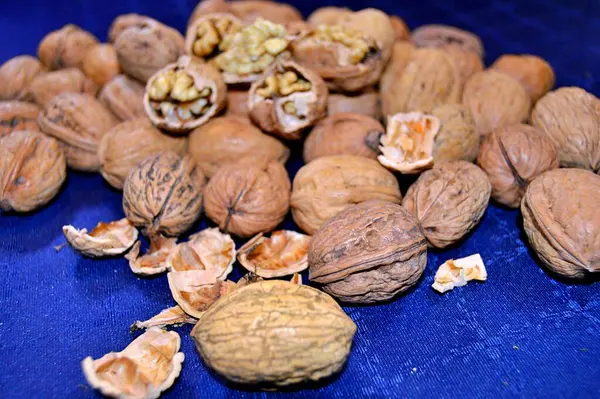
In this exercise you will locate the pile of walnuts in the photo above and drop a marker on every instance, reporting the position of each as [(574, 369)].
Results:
[(200, 124)]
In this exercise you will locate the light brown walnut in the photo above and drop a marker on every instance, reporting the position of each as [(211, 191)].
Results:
[(444, 35), (16, 74), (65, 47), (365, 102), (100, 64), (46, 86), (534, 73)]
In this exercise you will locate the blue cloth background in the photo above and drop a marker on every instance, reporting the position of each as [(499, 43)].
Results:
[(520, 334)]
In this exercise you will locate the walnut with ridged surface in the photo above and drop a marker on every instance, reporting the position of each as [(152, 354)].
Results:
[(16, 74), (65, 47), (46, 86)]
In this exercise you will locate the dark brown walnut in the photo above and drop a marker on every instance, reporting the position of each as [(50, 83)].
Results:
[(512, 157), (533, 72), (444, 35), (448, 201), (48, 85), (127, 144), (18, 115), (78, 121), (467, 63), (226, 140), (344, 133), (561, 216), (32, 170), (388, 86), (124, 97), (327, 15), (457, 138), (250, 10), (237, 103), (368, 253), (496, 100), (65, 47), (123, 22), (248, 197), (287, 99), (402, 30), (101, 64), (16, 74), (570, 116), (328, 185), (163, 194), (184, 95), (207, 35), (364, 103), (289, 334)]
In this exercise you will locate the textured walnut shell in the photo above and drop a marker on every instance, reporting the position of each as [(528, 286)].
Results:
[(364, 103), (570, 116), (163, 194), (100, 64), (280, 13), (32, 170), (122, 22), (444, 35), (65, 47), (127, 144), (448, 201), (496, 100), (457, 138), (327, 15), (561, 216), (47, 86), (78, 121), (512, 157), (16, 74), (18, 115), (368, 253), (124, 97), (328, 185), (237, 103), (467, 63), (400, 27), (344, 133), (535, 74), (248, 197), (262, 318), (226, 140)]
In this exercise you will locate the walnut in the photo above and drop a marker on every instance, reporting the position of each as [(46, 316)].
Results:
[(100, 64), (444, 35), (251, 10), (237, 103), (287, 99), (467, 63), (184, 95), (226, 140), (364, 103), (561, 216), (106, 239), (127, 144), (46, 86), (173, 316), (16, 74), (448, 201), (248, 197), (368, 253), (328, 185), (328, 15), (65, 47), (124, 97), (122, 22), (18, 115), (496, 100), (401, 55), (154, 261), (458, 272), (457, 137), (570, 116), (512, 157), (207, 35), (400, 27), (32, 170), (533, 72), (262, 318), (344, 133), (163, 194)]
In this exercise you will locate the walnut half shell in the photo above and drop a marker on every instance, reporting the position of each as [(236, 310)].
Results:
[(105, 239)]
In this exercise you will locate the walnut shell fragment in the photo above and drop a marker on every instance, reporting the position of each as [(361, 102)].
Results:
[(173, 316), (365, 102), (207, 36), (262, 318), (124, 97), (196, 290), (106, 239), (444, 35), (368, 253), (458, 272), (282, 254), (533, 72), (457, 138), (147, 367), (65, 47), (155, 260), (46, 86), (18, 115), (16, 74)]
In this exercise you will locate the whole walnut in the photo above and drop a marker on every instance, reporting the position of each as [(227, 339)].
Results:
[(16, 74), (248, 197), (561, 216), (100, 64), (448, 201), (457, 138), (402, 30), (127, 144), (468, 63), (65, 47), (368, 253), (327, 15), (237, 103), (344, 133), (570, 116), (122, 22), (365, 102), (124, 97), (280, 13), (226, 140), (328, 185), (444, 35), (18, 115), (163, 194), (32, 170), (512, 157), (535, 74), (496, 100), (78, 121), (46, 86)]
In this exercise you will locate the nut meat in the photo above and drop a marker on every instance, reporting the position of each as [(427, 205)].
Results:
[(209, 34), (458, 272)]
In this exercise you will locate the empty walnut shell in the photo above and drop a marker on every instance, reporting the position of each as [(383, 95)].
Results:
[(32, 170), (18, 115), (344, 133), (163, 194), (16, 74), (512, 157), (100, 64), (154, 261), (226, 140), (250, 10), (106, 239), (444, 35), (127, 144), (364, 103), (328, 185), (457, 138), (561, 216), (448, 201), (368, 253), (570, 116), (48, 85), (237, 103), (535, 74), (65, 47), (124, 97), (248, 197)]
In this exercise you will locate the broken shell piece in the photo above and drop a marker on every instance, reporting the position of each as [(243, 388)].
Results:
[(173, 316), (147, 367), (155, 260), (196, 290), (456, 273), (282, 254), (296, 279), (106, 239), (247, 279), (407, 145)]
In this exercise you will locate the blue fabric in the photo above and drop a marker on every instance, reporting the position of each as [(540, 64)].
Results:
[(520, 334)]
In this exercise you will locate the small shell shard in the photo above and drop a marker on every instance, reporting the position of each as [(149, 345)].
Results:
[(106, 239), (458, 272), (173, 316)]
